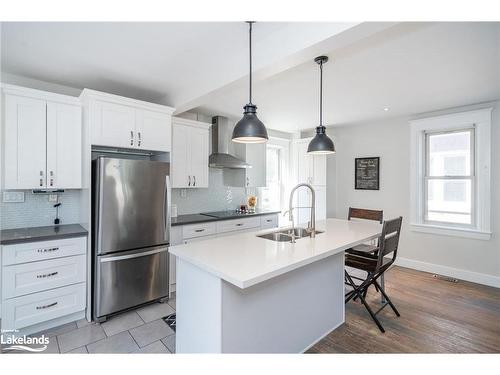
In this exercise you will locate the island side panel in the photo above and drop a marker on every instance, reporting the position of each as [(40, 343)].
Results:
[(198, 308), (286, 314)]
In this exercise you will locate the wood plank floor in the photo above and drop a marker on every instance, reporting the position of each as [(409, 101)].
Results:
[(437, 316)]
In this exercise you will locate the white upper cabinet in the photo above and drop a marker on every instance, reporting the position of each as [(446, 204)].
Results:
[(255, 155), (42, 140), (112, 124), (310, 169), (190, 151), (153, 130), (64, 146), (116, 121)]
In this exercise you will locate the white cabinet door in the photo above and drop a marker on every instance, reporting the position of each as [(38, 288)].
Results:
[(112, 125), (181, 157), (189, 158), (302, 213), (320, 202), (25, 146), (318, 170), (256, 157), (64, 146), (198, 149), (304, 164), (153, 131)]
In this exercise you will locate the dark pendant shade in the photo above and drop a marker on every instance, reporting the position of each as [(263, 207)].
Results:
[(250, 129), (321, 143)]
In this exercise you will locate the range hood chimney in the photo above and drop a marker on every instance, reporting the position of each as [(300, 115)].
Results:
[(223, 147)]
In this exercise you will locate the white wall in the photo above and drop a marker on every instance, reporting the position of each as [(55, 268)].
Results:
[(474, 260)]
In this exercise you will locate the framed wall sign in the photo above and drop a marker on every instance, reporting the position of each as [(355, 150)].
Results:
[(367, 173)]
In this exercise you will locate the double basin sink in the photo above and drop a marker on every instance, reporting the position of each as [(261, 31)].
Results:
[(285, 235)]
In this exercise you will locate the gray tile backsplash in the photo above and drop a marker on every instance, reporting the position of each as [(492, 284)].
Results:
[(216, 197), (36, 210)]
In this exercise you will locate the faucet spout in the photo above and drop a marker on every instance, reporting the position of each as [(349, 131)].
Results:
[(311, 228)]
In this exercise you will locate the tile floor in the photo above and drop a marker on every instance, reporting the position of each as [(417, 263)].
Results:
[(138, 331)]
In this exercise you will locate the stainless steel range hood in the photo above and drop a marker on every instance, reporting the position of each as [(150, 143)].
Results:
[(223, 147)]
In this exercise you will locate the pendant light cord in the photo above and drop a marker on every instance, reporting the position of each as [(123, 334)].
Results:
[(321, 93), (250, 56)]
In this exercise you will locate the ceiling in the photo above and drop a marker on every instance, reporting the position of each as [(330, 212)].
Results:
[(165, 62), (409, 68)]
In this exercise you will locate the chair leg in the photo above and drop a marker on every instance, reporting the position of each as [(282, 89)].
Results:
[(358, 292), (374, 317), (388, 300)]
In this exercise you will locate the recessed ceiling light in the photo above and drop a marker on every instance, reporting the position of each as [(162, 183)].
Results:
[(386, 109)]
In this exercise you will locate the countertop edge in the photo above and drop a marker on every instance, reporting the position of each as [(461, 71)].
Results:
[(246, 283), (82, 232)]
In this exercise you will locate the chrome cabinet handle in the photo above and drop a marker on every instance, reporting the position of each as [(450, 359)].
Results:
[(199, 230), (51, 178), (248, 181), (41, 178), (131, 138), (268, 220), (189, 178), (239, 224), (50, 249), (194, 179), (46, 306), (139, 141), (46, 275)]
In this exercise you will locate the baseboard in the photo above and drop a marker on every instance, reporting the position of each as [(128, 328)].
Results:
[(475, 277)]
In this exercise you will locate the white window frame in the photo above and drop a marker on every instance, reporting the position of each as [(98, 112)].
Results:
[(480, 121)]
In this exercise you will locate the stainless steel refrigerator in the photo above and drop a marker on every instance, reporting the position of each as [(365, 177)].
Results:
[(131, 225)]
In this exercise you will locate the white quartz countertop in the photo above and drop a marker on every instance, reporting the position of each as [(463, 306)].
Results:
[(244, 260)]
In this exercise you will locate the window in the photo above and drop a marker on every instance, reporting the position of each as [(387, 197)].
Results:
[(450, 174), (274, 195), (449, 177), (272, 192)]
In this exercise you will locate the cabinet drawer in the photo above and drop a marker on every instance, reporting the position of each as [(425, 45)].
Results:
[(39, 307), (238, 224), (21, 279), (35, 251), (198, 230), (269, 221)]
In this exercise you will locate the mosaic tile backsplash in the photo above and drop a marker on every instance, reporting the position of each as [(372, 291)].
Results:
[(36, 210), (216, 197)]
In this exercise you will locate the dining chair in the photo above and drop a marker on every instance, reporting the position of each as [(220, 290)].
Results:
[(365, 214), (375, 265)]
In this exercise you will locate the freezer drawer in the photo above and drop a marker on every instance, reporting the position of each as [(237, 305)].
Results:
[(127, 279)]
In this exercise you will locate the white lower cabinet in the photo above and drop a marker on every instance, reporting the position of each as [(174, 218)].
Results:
[(183, 234), (43, 281), (21, 279), (40, 307)]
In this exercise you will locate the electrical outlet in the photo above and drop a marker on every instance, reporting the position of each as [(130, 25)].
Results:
[(183, 193), (53, 198), (13, 196)]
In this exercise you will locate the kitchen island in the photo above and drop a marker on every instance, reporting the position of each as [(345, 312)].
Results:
[(247, 294)]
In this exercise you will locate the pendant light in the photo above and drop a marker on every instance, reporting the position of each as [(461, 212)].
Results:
[(250, 129), (321, 144)]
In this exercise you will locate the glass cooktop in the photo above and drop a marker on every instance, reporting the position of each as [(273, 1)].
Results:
[(224, 214)]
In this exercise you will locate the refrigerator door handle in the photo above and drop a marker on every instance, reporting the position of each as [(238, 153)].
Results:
[(166, 209), (131, 256)]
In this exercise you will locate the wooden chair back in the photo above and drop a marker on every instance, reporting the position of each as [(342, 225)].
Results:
[(362, 213), (389, 240)]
